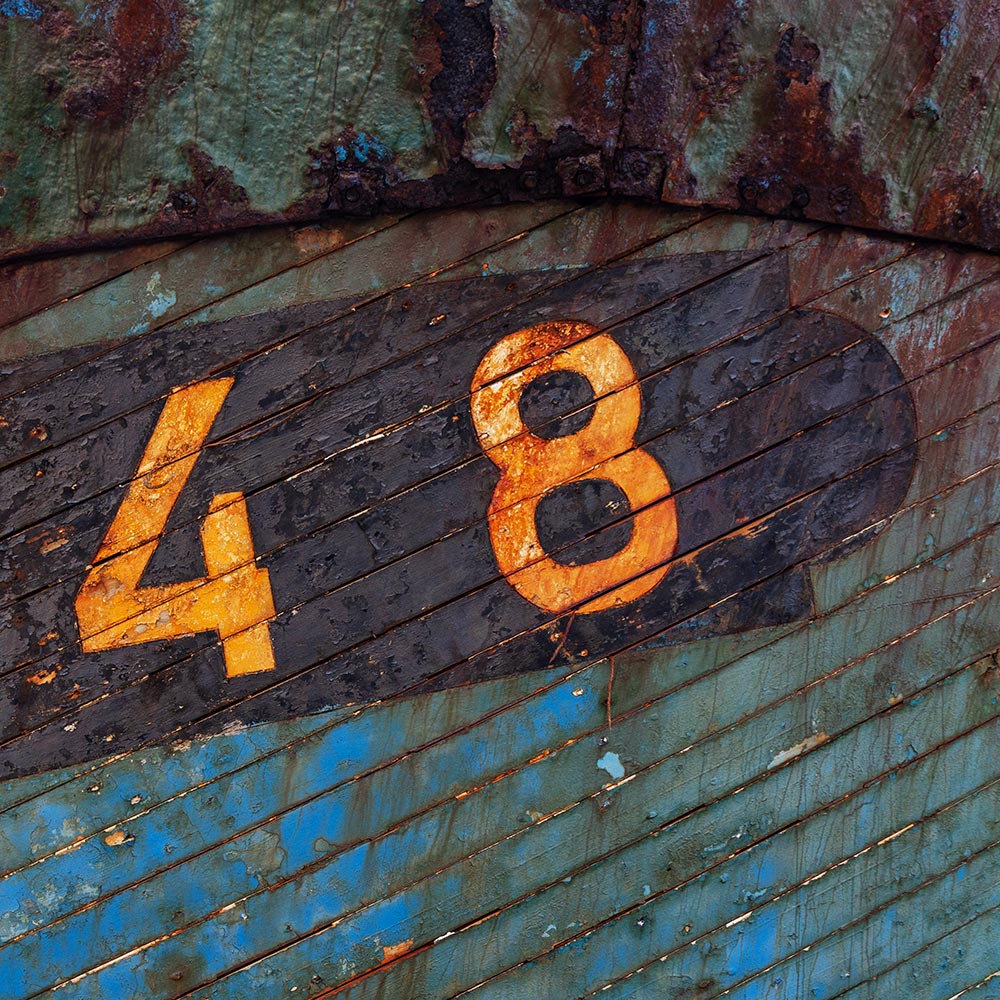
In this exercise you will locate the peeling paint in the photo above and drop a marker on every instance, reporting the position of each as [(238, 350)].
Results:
[(799, 748), (612, 763)]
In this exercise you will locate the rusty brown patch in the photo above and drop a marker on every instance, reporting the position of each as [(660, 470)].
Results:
[(959, 208), (212, 194), (124, 46), (460, 66), (691, 67), (391, 951), (796, 161)]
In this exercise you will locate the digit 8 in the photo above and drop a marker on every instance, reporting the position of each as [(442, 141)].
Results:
[(531, 466)]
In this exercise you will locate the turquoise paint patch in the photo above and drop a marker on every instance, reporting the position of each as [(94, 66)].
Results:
[(612, 763), (161, 299), (949, 33), (362, 148)]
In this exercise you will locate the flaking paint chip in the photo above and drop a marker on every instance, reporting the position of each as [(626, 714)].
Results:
[(792, 752), (612, 763)]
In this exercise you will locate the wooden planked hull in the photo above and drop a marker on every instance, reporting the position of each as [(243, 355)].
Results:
[(564, 590)]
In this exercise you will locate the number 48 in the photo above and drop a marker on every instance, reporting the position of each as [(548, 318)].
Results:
[(235, 600)]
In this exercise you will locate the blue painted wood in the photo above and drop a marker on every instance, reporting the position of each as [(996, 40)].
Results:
[(755, 875), (946, 967)]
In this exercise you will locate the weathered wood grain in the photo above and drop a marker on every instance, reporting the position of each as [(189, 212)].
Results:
[(361, 940), (791, 734), (753, 877), (37, 285), (949, 966), (232, 461), (626, 878)]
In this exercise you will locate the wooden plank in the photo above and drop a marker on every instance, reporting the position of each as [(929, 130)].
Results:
[(232, 461), (360, 940), (756, 936), (677, 910), (941, 903), (592, 642), (226, 278), (39, 284), (948, 966), (906, 529)]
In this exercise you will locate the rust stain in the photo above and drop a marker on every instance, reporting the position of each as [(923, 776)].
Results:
[(211, 194), (116, 839), (318, 239), (391, 951), (798, 163), (129, 44)]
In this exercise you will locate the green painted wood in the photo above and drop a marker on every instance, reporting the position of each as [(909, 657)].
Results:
[(931, 903), (943, 903), (39, 284), (710, 962)]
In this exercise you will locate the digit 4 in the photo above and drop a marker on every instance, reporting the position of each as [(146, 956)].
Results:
[(234, 599)]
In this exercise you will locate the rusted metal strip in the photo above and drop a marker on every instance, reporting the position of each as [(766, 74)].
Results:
[(126, 119)]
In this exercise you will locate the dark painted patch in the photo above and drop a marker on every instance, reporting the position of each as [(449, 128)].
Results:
[(795, 59), (572, 519), (556, 404), (599, 12), (382, 569), (465, 68)]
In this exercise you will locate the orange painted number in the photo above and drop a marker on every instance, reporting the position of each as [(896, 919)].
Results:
[(532, 466), (234, 599)]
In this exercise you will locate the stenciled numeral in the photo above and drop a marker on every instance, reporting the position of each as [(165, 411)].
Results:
[(532, 466), (234, 599)]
